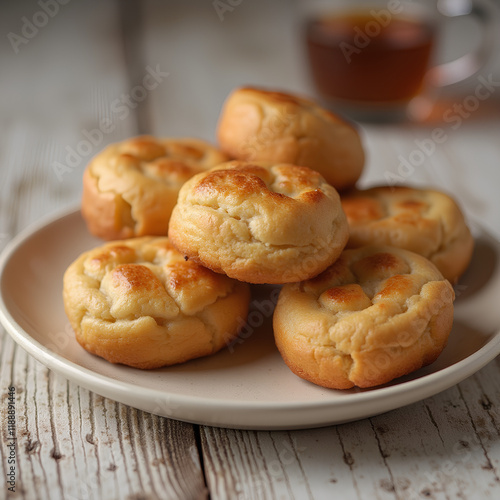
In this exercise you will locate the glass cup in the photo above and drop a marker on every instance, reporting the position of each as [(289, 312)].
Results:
[(372, 60)]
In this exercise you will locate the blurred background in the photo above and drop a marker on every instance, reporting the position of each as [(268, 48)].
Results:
[(77, 75)]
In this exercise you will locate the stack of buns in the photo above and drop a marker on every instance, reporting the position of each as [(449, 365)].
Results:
[(365, 275)]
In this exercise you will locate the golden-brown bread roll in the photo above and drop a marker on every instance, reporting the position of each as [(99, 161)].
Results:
[(376, 314), (260, 125), (424, 221), (259, 223), (130, 188), (139, 303)]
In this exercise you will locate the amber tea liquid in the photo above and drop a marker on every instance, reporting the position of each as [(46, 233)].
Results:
[(355, 57)]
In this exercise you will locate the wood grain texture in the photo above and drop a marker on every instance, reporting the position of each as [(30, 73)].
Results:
[(74, 444), (442, 447)]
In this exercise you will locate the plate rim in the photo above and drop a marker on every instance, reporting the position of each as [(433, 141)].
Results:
[(438, 381)]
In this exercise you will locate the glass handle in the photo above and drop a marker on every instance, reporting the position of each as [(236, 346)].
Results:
[(469, 64)]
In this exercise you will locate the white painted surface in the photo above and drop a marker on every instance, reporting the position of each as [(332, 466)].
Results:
[(74, 444)]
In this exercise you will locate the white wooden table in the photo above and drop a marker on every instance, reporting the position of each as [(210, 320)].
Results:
[(72, 81)]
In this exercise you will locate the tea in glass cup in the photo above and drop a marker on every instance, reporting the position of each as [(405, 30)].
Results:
[(371, 60)]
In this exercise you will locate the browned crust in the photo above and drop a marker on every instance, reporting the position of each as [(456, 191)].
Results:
[(147, 349), (263, 125), (425, 221), (138, 302), (367, 351), (101, 211), (131, 187), (236, 219)]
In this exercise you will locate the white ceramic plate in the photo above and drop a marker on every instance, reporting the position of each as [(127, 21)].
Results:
[(246, 385)]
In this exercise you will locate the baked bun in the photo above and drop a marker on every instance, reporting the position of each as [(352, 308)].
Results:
[(139, 303), (130, 188), (259, 125), (259, 223), (376, 314), (424, 221)]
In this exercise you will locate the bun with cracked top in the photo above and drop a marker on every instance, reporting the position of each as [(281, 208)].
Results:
[(139, 303), (130, 188), (259, 223), (425, 221), (376, 314), (278, 127)]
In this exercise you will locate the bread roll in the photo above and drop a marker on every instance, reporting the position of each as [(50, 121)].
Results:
[(139, 303), (259, 223), (376, 314), (260, 125), (130, 188), (425, 221)]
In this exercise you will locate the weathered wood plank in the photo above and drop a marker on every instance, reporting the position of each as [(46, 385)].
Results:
[(435, 448), (404, 454), (208, 53), (442, 447), (71, 443), (423, 445), (74, 444), (481, 396)]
